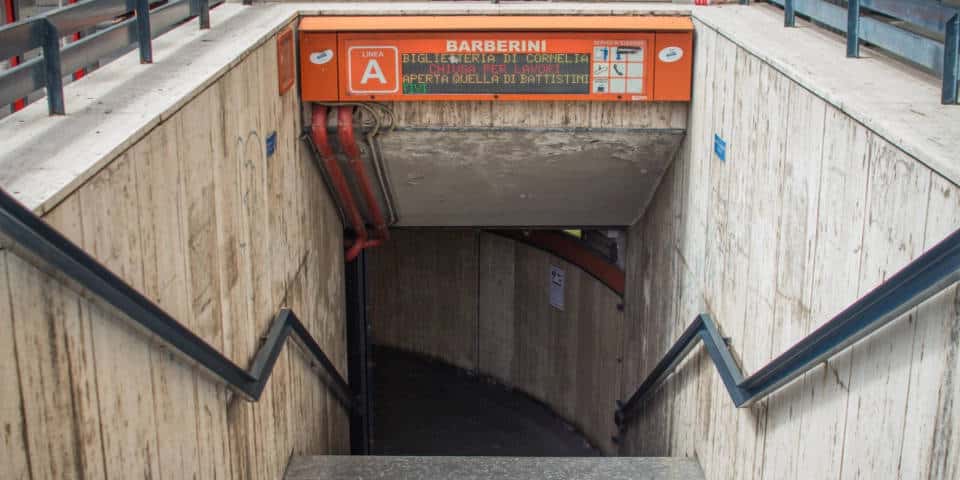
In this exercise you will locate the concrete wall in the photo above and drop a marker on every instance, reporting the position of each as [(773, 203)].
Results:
[(423, 293), (481, 302), (197, 218), (810, 211), (812, 208)]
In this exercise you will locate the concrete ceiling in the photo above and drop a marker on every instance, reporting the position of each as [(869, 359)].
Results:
[(524, 177)]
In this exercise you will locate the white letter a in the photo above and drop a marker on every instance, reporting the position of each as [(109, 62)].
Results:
[(373, 70)]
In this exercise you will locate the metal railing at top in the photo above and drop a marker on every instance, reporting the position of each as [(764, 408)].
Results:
[(920, 280), (46, 30), (924, 32), (29, 236)]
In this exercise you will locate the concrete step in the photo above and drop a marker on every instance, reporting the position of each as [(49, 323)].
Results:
[(475, 468)]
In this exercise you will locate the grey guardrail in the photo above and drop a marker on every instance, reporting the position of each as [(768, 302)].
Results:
[(931, 15), (45, 31), (29, 236), (923, 278)]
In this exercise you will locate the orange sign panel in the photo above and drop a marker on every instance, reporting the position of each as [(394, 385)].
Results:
[(499, 65), (319, 67), (482, 66), (286, 68)]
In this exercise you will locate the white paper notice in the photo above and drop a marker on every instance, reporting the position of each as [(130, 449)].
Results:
[(556, 287)]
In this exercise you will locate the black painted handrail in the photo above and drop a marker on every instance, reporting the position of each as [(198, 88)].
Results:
[(30, 236), (923, 278)]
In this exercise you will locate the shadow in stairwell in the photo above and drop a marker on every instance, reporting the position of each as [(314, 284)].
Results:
[(425, 407)]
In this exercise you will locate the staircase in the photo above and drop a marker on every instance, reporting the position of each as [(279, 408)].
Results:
[(487, 468)]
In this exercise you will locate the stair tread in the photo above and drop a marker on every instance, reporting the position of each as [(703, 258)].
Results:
[(335, 467)]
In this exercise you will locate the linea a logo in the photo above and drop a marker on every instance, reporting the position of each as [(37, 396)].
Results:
[(373, 69)]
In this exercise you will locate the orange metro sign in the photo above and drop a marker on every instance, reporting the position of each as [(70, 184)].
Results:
[(498, 58)]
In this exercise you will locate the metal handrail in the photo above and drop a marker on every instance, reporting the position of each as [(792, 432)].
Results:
[(923, 278), (31, 237), (45, 31), (933, 16), (67, 20)]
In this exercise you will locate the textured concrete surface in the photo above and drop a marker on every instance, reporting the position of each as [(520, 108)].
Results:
[(526, 176), (424, 407), (469, 468)]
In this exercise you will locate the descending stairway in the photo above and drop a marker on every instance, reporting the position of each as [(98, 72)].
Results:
[(492, 468), (423, 407)]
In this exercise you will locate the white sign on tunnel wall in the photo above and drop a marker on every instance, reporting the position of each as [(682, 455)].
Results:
[(556, 287)]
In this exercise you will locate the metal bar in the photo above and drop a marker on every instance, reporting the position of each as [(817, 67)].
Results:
[(702, 329), (143, 31), (853, 28), (29, 76), (80, 72), (71, 19), (54, 74), (688, 339), (10, 14), (918, 49), (284, 325), (719, 350), (376, 158), (20, 37), (266, 357), (931, 15), (204, 14), (789, 14), (17, 104), (31, 238), (337, 384), (358, 355), (950, 53), (68, 20), (21, 80), (927, 14), (920, 280), (170, 16)]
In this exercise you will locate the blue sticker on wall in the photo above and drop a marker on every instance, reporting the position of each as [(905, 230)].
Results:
[(720, 148), (271, 144)]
